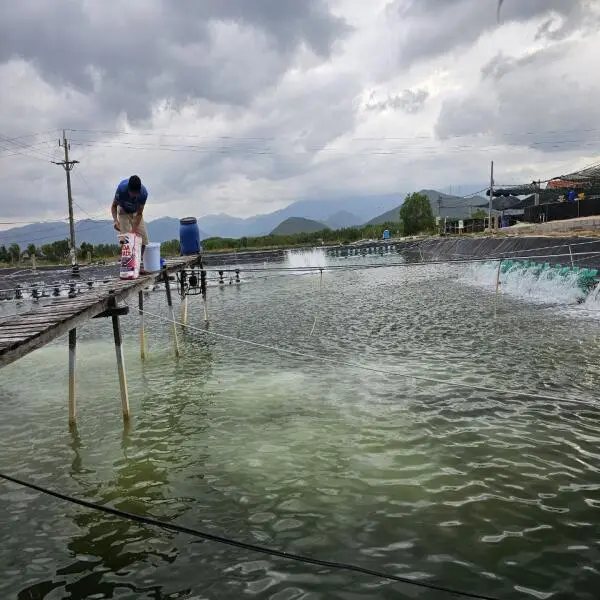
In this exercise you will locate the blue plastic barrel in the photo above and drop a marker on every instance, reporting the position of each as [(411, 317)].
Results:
[(189, 236)]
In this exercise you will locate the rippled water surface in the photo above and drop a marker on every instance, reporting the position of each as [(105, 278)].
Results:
[(354, 460)]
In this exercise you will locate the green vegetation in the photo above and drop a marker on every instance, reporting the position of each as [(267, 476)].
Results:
[(325, 236), (416, 214)]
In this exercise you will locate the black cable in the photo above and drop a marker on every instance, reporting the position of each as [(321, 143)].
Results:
[(244, 545)]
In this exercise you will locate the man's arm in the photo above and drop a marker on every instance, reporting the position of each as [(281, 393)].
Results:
[(113, 210)]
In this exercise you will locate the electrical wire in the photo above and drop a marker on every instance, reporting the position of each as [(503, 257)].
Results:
[(329, 564), (297, 138)]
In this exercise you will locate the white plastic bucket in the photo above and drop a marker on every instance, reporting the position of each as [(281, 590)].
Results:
[(152, 258)]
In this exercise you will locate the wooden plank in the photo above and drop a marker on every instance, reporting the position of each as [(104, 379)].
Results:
[(11, 354), (58, 317), (20, 329)]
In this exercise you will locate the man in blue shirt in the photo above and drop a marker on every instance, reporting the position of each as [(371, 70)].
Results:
[(128, 208)]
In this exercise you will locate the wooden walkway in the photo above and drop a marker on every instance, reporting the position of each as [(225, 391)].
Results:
[(23, 333)]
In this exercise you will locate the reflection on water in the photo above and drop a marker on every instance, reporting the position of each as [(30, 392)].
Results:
[(487, 492)]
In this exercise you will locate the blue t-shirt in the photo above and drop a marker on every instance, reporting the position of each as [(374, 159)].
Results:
[(128, 204)]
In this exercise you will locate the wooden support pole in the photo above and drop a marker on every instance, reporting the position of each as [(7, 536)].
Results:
[(497, 287), (142, 328), (203, 292), (120, 361), (171, 309), (184, 310), (72, 355), (184, 298)]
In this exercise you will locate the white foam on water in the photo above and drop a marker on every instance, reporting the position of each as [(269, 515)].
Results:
[(545, 287), (305, 260)]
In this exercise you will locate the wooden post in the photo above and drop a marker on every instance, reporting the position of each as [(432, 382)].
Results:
[(72, 355), (571, 254), (184, 310), (203, 292), (142, 331), (497, 288), (120, 361), (172, 310), (184, 298)]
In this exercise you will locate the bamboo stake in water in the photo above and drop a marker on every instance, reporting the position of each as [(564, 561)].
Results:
[(72, 354), (571, 253), (142, 327), (497, 287), (172, 311), (184, 311)]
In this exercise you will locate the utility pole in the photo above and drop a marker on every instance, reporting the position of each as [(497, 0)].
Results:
[(491, 196), (68, 167), (537, 185), (439, 206)]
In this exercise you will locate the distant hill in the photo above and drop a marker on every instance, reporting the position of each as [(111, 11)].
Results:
[(390, 215), (336, 213), (442, 205), (342, 219), (87, 230), (298, 225)]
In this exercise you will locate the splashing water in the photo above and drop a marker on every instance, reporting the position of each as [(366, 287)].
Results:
[(306, 259), (539, 285)]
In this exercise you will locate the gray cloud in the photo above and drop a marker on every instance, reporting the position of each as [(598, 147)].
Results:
[(225, 51), (435, 27), (243, 106), (526, 102), (410, 101)]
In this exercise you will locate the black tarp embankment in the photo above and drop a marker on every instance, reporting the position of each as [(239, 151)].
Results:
[(585, 252), (559, 211)]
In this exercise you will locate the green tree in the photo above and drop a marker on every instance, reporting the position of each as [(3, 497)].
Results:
[(14, 252), (479, 214), (56, 251), (4, 255), (84, 248), (416, 214), (31, 250)]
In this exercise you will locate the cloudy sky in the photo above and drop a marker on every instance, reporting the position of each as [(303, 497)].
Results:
[(243, 106)]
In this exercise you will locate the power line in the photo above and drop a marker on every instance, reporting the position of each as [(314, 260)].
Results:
[(403, 151), (20, 147), (33, 134), (159, 133), (329, 564), (91, 192)]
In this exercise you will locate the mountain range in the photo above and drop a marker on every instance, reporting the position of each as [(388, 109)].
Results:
[(332, 214)]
